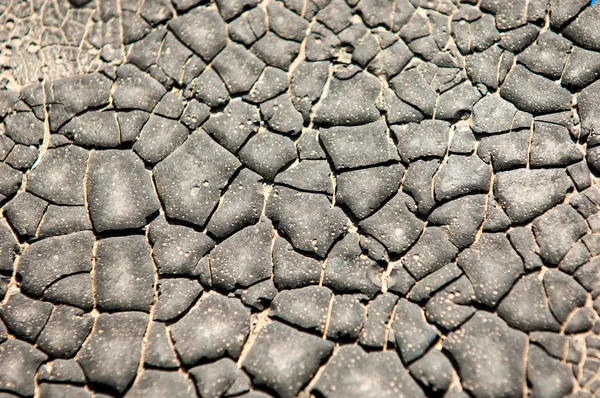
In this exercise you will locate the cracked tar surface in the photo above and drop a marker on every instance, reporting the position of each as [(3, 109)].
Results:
[(313, 198)]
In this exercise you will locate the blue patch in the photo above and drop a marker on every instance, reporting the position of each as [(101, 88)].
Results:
[(593, 2)]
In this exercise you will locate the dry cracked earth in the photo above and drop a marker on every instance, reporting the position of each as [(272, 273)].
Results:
[(314, 198)]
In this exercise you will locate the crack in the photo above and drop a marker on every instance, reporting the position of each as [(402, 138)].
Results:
[(328, 316), (257, 322), (311, 384)]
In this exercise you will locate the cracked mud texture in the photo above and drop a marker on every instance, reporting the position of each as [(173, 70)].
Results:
[(299, 198)]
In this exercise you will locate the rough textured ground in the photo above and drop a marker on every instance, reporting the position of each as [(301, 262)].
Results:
[(328, 198)]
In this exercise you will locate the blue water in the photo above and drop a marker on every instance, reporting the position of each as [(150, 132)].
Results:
[(594, 2)]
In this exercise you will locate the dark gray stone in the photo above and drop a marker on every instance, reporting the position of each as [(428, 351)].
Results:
[(209, 88), (271, 83), (309, 175), (45, 262), (413, 89), (557, 231), (390, 61), (562, 11), (363, 191), (281, 116), (414, 335), (195, 114), (587, 104), (160, 136), (489, 67), (190, 180), (357, 146), (9, 247), (457, 103), (242, 259), (175, 296), (421, 140), (493, 114), (432, 251), (348, 271), (24, 317), (136, 90), (292, 270), (322, 44), (581, 30), (563, 293), (93, 129), (375, 332), (450, 307), (433, 370), (505, 151), (73, 290), (286, 23), (260, 295), (582, 68), (111, 354), (306, 218), (275, 51), (231, 9), (492, 265), (201, 29), (418, 183), (19, 361), (124, 265), (533, 93), (239, 206), (24, 128), (547, 55), (525, 194), (548, 377), (496, 219), (10, 180), (581, 321), (62, 370), (220, 379), (158, 351), (157, 383), (130, 124), (306, 308), (119, 191), (524, 243), (309, 147), (426, 287), (268, 153), (347, 318), (283, 360), (307, 82), (394, 225), (24, 213), (490, 356), (238, 67), (59, 176), (65, 332), (196, 340), (551, 146), (232, 127), (349, 101), (22, 157), (526, 307), (177, 248), (516, 40), (395, 110), (353, 371), (63, 220)]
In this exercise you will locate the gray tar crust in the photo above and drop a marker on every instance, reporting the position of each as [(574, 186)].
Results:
[(299, 198)]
